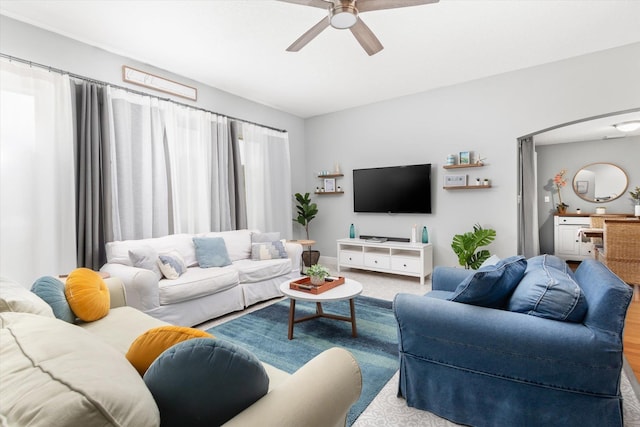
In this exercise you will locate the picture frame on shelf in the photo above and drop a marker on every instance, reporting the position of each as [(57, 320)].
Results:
[(582, 187), (465, 157), (330, 185), (455, 180)]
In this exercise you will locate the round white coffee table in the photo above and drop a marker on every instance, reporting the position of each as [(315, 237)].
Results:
[(348, 290)]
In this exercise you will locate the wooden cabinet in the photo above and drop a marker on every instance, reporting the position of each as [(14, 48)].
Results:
[(407, 259), (567, 244)]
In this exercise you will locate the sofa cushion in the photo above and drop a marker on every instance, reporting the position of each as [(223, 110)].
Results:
[(257, 237), (211, 252), (51, 290), (148, 346), (549, 292), (491, 286), (16, 298), (205, 382), (55, 373), (118, 251), (87, 294), (171, 265), (268, 250), (549, 261), (250, 271), (145, 257), (197, 282)]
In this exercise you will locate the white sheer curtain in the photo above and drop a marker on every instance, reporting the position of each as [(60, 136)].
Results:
[(37, 206), (198, 148), (139, 171), (267, 179)]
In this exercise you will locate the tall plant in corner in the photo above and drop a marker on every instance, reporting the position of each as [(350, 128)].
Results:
[(465, 246), (307, 211)]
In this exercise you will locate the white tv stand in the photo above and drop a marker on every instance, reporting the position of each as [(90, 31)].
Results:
[(407, 259)]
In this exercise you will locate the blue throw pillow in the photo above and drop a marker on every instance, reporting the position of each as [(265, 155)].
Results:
[(549, 292), (51, 290), (211, 252), (205, 382), (550, 261), (491, 286)]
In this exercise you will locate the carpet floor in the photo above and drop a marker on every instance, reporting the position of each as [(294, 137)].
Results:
[(264, 333)]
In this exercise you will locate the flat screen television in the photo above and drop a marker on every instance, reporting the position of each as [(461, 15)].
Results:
[(393, 189)]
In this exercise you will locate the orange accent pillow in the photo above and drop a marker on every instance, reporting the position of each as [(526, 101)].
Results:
[(87, 294), (148, 346)]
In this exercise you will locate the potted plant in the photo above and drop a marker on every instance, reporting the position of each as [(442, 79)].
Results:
[(307, 211), (635, 195), (317, 273), (560, 181), (465, 246)]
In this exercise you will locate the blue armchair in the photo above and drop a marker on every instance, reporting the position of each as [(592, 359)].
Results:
[(493, 367)]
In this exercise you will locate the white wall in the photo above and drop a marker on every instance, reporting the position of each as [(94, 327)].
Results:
[(39, 46), (485, 116)]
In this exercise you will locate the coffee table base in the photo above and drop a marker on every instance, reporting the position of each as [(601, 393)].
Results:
[(321, 313)]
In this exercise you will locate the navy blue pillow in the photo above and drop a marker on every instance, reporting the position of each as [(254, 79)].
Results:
[(548, 290), (211, 252), (205, 382), (491, 286)]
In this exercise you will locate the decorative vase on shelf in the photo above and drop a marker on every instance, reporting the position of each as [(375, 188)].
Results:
[(352, 232), (562, 209), (425, 235), (637, 210)]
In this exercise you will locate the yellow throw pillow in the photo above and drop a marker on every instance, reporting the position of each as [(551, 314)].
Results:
[(87, 294), (148, 346)]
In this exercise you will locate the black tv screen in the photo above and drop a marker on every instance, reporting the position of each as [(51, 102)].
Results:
[(394, 189)]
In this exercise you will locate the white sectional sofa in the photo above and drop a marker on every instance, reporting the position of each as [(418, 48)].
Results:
[(200, 293), (59, 374)]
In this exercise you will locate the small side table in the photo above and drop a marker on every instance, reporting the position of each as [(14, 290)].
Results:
[(308, 243)]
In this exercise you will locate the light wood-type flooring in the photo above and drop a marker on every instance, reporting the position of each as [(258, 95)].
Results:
[(631, 337)]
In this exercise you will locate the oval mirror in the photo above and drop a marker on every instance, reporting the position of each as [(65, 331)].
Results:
[(600, 182)]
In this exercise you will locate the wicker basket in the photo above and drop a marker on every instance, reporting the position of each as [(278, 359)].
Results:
[(621, 251)]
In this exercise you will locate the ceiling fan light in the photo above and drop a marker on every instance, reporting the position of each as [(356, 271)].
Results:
[(628, 126), (343, 17)]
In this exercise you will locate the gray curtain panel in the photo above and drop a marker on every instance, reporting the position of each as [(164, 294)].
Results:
[(238, 202), (528, 233), (90, 164)]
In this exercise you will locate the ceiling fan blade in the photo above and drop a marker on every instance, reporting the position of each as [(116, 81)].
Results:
[(309, 35), (366, 38), (323, 4), (369, 5)]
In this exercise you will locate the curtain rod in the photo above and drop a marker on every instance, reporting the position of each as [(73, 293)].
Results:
[(137, 92)]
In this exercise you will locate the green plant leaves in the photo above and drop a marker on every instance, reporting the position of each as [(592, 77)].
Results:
[(465, 245)]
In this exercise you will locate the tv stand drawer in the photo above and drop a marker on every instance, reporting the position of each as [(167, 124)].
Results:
[(351, 258), (405, 264), (377, 261)]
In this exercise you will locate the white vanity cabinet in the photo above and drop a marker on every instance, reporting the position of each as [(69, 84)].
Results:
[(408, 259), (567, 244)]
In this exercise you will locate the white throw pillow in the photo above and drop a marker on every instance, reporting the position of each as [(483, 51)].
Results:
[(14, 297), (55, 373), (172, 265)]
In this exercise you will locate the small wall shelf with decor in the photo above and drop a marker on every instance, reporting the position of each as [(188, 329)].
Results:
[(466, 187), (459, 182), (329, 184), (475, 165)]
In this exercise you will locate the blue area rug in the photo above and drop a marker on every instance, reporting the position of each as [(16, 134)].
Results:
[(264, 333)]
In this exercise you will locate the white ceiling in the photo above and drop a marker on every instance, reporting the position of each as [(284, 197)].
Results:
[(239, 46)]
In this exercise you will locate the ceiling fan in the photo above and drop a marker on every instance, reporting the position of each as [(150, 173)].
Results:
[(343, 14)]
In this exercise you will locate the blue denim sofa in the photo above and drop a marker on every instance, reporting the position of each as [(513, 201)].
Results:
[(494, 367)]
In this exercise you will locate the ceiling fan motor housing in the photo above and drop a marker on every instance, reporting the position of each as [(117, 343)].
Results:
[(344, 15)]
